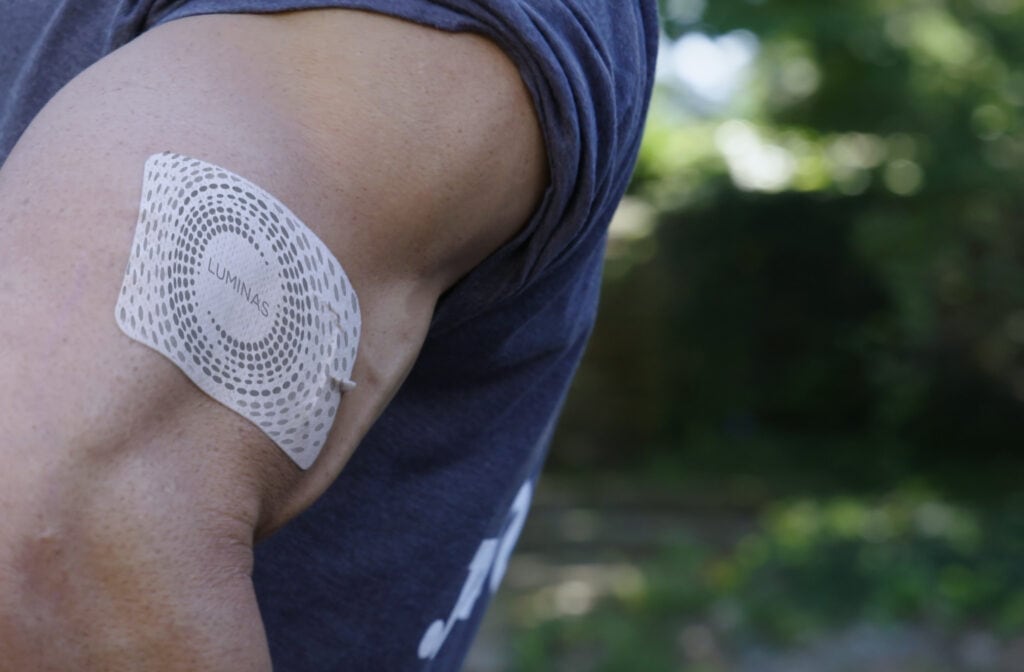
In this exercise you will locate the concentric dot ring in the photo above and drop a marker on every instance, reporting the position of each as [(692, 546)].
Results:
[(283, 367)]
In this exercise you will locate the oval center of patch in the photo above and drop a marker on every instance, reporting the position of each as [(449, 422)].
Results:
[(238, 289)]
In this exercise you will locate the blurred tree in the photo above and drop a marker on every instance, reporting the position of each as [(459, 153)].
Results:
[(819, 281)]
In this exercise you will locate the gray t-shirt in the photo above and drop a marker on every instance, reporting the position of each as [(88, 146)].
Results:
[(391, 569)]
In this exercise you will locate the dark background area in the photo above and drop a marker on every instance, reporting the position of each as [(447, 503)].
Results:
[(844, 330)]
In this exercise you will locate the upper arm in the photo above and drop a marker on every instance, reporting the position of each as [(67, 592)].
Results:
[(412, 154)]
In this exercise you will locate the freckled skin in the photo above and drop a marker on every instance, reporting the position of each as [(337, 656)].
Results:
[(130, 499)]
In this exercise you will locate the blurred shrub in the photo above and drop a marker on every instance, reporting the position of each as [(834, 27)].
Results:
[(810, 568), (908, 558)]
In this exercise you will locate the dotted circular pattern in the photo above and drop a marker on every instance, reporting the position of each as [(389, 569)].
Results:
[(234, 289)]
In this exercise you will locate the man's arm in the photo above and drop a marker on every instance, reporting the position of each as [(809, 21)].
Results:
[(130, 499)]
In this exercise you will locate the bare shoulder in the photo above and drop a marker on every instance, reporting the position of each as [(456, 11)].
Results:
[(411, 153)]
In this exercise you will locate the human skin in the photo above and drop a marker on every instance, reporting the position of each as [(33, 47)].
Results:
[(130, 500)]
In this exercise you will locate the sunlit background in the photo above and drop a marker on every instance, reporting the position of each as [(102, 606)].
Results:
[(797, 440)]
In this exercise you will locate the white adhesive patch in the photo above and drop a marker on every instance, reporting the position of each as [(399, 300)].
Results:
[(230, 286)]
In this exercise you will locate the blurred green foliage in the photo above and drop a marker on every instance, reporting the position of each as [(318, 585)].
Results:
[(812, 567), (909, 558), (817, 283)]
